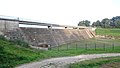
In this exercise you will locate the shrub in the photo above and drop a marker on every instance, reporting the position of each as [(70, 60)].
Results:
[(2, 37), (20, 43)]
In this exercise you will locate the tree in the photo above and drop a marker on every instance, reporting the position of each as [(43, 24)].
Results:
[(84, 23), (81, 23), (96, 24), (93, 24), (105, 23), (117, 23), (87, 23)]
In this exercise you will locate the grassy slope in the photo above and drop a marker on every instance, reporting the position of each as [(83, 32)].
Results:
[(97, 63), (108, 31), (12, 55)]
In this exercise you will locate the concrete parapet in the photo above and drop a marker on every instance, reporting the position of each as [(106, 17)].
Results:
[(6, 24)]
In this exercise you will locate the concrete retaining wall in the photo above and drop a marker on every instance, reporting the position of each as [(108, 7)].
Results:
[(6, 24)]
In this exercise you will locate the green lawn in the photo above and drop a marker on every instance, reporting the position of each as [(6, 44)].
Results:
[(108, 31), (12, 54), (108, 62)]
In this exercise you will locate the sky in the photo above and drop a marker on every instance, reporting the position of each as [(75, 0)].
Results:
[(62, 12)]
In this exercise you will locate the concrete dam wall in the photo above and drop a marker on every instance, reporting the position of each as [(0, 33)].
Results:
[(36, 36)]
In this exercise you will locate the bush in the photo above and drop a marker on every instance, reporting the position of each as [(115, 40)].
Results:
[(15, 41), (20, 43), (8, 60), (1, 49), (2, 37)]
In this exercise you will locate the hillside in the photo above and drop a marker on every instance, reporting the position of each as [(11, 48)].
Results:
[(115, 32), (12, 54)]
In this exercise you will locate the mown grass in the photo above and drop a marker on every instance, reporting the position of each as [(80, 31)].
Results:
[(108, 31), (12, 54), (96, 63)]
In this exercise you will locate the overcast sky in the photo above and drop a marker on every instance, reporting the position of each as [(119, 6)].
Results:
[(63, 12)]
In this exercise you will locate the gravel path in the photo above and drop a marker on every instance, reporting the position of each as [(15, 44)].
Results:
[(62, 61)]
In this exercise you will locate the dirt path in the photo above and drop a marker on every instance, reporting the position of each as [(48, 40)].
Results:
[(62, 61)]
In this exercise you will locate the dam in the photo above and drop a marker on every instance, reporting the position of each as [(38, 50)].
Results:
[(53, 34)]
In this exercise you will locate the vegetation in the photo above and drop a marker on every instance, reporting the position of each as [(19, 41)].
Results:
[(108, 23), (19, 42), (98, 63), (84, 23), (104, 23), (12, 54), (102, 62), (108, 31)]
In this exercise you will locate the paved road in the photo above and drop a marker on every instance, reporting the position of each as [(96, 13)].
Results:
[(62, 61)]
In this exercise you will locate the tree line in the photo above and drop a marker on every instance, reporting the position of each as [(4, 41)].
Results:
[(104, 23)]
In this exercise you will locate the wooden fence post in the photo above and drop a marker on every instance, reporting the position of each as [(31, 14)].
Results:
[(95, 46), (67, 46), (104, 46), (86, 46), (76, 46), (58, 48)]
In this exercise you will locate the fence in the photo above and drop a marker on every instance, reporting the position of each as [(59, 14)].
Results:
[(86, 46)]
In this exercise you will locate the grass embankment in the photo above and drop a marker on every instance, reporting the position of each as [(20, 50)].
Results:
[(108, 31), (12, 54), (108, 62), (112, 62)]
